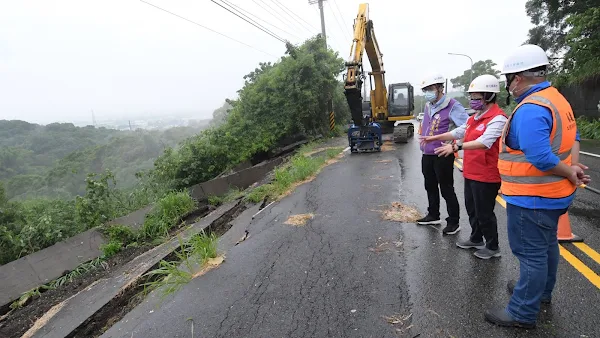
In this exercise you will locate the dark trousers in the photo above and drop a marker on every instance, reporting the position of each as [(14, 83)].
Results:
[(480, 200), (439, 172)]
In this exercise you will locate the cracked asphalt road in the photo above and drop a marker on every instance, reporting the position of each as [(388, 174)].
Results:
[(325, 279)]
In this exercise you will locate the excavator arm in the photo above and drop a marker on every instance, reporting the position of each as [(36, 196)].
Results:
[(364, 40)]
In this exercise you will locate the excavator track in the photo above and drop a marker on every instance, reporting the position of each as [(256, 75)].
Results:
[(403, 132)]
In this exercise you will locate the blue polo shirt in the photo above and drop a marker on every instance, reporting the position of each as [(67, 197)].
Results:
[(530, 132)]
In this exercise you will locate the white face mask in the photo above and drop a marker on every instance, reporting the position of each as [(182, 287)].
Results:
[(430, 95), (512, 92)]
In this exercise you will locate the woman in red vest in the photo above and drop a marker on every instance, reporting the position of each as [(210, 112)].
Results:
[(481, 135)]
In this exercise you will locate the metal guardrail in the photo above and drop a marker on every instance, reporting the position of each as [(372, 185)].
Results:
[(587, 187), (589, 154)]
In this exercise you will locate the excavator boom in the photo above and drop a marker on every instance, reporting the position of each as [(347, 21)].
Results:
[(364, 40), (384, 111)]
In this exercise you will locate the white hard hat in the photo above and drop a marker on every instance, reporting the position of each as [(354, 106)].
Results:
[(525, 57), (432, 79), (485, 83)]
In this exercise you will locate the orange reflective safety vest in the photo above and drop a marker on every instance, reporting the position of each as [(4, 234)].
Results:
[(521, 178)]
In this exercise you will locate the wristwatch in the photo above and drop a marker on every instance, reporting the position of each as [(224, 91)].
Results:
[(459, 146)]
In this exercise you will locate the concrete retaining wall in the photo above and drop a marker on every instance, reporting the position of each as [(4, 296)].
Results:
[(241, 180), (48, 264), (134, 220), (41, 267)]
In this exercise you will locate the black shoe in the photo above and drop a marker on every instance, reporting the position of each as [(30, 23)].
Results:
[(500, 317), (510, 286), (429, 220), (451, 229)]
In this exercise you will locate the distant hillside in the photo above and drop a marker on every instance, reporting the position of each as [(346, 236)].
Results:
[(53, 160)]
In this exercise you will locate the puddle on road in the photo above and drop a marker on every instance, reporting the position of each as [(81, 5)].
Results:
[(399, 212), (299, 220)]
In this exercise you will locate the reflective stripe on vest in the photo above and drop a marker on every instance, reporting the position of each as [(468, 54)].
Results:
[(519, 177)]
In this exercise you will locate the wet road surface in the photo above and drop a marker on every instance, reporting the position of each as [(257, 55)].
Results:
[(347, 269)]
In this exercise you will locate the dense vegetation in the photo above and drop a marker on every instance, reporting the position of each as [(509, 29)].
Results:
[(53, 161), (48, 196), (570, 32), (277, 101), (588, 128)]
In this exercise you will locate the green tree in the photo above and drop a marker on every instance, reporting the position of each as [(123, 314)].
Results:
[(481, 68), (220, 114), (277, 101), (569, 32), (583, 57)]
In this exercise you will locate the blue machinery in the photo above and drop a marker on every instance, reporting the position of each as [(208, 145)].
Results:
[(365, 138)]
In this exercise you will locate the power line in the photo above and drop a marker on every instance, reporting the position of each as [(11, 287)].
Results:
[(212, 30), (266, 10), (280, 15), (345, 35), (341, 15), (254, 15), (252, 23), (286, 11), (331, 36), (299, 17)]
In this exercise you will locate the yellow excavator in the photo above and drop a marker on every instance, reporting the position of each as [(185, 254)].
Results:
[(388, 110)]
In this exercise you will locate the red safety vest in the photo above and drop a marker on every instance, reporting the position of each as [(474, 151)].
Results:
[(482, 164)]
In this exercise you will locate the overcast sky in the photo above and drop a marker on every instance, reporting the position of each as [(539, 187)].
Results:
[(59, 59)]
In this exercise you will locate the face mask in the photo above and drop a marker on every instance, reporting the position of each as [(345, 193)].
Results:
[(476, 104), (430, 96), (512, 92)]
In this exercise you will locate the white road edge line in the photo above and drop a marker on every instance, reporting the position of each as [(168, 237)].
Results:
[(263, 209), (347, 148), (589, 154)]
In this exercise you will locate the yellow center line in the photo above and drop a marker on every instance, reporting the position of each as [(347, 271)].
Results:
[(577, 264), (588, 251), (501, 201), (569, 257)]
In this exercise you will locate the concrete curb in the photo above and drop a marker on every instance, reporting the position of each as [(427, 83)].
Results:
[(66, 317)]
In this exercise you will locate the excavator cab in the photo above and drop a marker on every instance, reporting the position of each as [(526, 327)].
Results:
[(401, 100)]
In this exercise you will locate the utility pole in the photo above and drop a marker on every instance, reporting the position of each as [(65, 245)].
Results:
[(330, 111), (93, 118)]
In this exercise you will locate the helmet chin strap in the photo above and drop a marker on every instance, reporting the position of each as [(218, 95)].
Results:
[(508, 82)]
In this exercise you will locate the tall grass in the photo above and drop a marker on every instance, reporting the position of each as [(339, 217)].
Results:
[(172, 275), (166, 213), (299, 168)]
